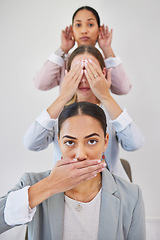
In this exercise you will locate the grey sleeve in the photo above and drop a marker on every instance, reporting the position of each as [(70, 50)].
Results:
[(24, 181)]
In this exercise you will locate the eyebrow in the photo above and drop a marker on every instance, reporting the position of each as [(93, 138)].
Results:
[(89, 19), (90, 135), (67, 136)]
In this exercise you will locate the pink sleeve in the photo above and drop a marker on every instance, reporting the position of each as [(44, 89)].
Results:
[(120, 81), (48, 77)]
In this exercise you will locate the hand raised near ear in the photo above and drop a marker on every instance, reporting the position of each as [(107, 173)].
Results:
[(67, 39), (105, 40)]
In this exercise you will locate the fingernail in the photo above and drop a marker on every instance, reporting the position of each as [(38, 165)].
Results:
[(75, 159), (90, 60), (99, 161), (104, 164), (86, 60), (78, 62)]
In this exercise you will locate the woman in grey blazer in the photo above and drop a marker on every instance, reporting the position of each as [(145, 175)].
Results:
[(79, 198)]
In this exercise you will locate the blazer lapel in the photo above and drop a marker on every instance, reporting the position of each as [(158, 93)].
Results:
[(56, 215), (110, 207)]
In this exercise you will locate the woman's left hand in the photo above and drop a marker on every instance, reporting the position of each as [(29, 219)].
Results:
[(100, 87), (105, 40), (99, 84)]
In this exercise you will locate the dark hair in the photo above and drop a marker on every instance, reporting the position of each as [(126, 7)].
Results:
[(88, 49), (83, 108), (89, 9)]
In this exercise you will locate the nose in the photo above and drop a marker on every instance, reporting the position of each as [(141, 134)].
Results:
[(81, 153), (84, 29), (83, 79)]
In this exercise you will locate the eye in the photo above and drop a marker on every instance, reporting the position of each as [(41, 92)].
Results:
[(90, 25), (78, 25), (69, 143), (92, 142)]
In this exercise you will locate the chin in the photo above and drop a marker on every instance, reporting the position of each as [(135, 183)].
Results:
[(85, 43)]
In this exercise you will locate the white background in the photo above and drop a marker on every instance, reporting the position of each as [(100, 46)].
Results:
[(29, 32)]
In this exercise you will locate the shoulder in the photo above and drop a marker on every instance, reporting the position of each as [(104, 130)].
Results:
[(127, 191)]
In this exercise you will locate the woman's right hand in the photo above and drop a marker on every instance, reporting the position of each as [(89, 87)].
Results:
[(71, 81), (67, 39), (67, 173), (68, 89)]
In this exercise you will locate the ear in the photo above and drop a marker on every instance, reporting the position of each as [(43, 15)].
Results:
[(104, 71), (106, 139), (58, 138), (100, 30)]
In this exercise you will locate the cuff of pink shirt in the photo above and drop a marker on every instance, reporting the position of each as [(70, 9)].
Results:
[(17, 210), (112, 62), (56, 59), (122, 121)]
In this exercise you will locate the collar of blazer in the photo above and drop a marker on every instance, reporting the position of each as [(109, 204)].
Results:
[(109, 211)]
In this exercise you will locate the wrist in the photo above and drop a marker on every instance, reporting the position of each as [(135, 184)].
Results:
[(63, 99), (61, 53), (39, 192), (56, 107), (108, 52), (106, 98), (65, 50), (50, 186)]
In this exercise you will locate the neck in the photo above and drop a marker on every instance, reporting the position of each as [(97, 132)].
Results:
[(86, 191), (90, 99)]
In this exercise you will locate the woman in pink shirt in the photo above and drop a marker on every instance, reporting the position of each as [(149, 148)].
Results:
[(85, 30)]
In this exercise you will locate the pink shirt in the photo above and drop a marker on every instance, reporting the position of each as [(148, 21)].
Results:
[(53, 71)]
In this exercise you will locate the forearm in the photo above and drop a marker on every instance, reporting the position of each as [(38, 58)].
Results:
[(127, 132), (48, 76), (41, 133), (108, 52), (40, 191), (120, 81), (130, 137), (56, 107), (111, 106)]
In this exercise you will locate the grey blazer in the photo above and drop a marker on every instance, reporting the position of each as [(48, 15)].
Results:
[(121, 213)]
